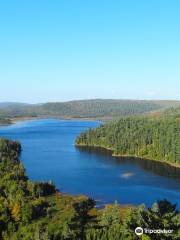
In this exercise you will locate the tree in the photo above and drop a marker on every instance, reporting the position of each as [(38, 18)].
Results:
[(110, 216), (16, 211), (162, 215), (82, 217)]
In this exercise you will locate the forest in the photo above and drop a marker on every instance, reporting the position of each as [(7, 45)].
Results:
[(156, 136), (97, 108), (38, 211)]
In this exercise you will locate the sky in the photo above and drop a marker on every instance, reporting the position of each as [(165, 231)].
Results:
[(62, 50)]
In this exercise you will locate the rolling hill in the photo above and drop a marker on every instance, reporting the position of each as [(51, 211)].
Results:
[(97, 108)]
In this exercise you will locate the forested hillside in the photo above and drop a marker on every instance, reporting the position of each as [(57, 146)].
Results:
[(175, 112), (153, 137), (37, 211), (98, 108)]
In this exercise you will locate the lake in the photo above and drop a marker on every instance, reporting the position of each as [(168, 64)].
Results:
[(49, 154)]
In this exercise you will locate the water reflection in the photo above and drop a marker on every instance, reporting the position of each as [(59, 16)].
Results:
[(160, 168), (49, 153)]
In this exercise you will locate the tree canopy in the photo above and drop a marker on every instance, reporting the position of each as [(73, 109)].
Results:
[(153, 137), (38, 211)]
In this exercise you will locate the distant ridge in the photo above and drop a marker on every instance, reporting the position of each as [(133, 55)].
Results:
[(92, 108), (11, 104)]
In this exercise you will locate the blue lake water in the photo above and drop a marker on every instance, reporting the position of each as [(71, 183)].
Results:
[(49, 154)]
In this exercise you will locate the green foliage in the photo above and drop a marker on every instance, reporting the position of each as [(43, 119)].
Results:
[(82, 218), (155, 138), (36, 211), (162, 215), (110, 216), (43, 188)]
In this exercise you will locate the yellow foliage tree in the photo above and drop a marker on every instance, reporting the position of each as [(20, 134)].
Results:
[(16, 211)]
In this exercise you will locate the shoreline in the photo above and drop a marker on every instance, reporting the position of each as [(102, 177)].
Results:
[(22, 119), (129, 156)]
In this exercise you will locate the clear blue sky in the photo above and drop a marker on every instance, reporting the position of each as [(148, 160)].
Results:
[(61, 50)]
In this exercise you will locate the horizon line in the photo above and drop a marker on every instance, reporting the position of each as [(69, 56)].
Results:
[(89, 99)]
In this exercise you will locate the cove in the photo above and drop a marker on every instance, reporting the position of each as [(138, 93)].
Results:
[(49, 154)]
